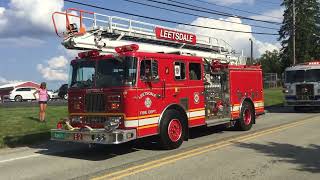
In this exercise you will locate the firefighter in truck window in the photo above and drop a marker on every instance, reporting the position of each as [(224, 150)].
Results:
[(195, 71), (149, 70)]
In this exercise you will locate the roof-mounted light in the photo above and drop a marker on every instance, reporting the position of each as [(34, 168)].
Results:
[(314, 63), (92, 53), (127, 48)]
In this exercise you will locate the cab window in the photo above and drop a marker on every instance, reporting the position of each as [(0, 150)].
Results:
[(179, 71), (194, 71), (149, 70)]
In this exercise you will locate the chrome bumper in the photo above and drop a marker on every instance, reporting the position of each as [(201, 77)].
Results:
[(96, 136)]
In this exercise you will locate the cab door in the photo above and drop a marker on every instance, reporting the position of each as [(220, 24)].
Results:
[(196, 94), (150, 97)]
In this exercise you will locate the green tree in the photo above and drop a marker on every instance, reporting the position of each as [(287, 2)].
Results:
[(307, 31), (270, 62)]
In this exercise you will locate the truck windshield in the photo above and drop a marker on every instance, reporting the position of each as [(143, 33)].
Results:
[(116, 72), (83, 72), (311, 75), (120, 71)]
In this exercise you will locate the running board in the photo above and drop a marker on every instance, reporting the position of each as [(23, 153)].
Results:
[(214, 122)]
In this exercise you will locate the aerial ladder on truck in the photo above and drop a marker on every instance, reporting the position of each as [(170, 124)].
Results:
[(87, 30)]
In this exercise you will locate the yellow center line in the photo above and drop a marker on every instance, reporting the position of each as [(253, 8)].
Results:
[(197, 151)]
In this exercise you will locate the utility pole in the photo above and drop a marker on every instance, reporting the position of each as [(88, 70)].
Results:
[(294, 31), (251, 47)]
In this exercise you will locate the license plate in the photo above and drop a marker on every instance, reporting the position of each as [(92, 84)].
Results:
[(77, 136), (58, 135)]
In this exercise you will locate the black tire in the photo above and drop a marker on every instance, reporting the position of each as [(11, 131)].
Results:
[(243, 124), (173, 141), (18, 98)]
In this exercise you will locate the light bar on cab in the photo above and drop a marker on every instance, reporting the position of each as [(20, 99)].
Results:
[(127, 48)]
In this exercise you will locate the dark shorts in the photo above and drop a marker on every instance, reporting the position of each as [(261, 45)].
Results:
[(43, 102)]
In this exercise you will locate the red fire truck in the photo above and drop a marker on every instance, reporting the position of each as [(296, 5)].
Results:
[(140, 80)]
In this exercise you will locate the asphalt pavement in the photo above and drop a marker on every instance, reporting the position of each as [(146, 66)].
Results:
[(282, 145)]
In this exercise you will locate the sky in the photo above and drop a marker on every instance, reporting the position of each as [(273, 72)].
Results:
[(31, 51)]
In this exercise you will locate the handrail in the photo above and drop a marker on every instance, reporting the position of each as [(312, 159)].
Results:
[(68, 13)]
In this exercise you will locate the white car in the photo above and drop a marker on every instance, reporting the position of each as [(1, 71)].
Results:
[(22, 93), (53, 95)]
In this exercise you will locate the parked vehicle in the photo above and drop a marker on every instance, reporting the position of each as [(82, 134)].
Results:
[(53, 95), (302, 85), (22, 94), (63, 91)]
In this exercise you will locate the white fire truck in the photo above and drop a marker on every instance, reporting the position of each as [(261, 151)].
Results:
[(302, 85), (152, 81)]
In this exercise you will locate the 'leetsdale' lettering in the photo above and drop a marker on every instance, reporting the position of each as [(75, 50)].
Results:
[(178, 36)]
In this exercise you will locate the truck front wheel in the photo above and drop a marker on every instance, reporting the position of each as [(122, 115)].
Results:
[(172, 130)]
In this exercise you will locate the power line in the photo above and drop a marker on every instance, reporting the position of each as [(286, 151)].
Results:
[(236, 9), (191, 14), (268, 2), (167, 21), (210, 11)]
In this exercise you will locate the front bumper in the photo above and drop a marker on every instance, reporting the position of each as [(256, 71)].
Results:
[(96, 136)]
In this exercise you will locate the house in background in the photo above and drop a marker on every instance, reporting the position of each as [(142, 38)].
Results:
[(7, 88)]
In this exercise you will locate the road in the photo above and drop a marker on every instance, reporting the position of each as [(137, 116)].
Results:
[(282, 145)]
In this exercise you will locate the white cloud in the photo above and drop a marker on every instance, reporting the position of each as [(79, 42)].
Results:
[(229, 2), (239, 41), (58, 62), (56, 69), (275, 15), (28, 18), (22, 41), (262, 47), (3, 19), (6, 81)]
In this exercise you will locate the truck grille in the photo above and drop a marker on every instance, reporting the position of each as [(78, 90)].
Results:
[(94, 120), (95, 103), (305, 92)]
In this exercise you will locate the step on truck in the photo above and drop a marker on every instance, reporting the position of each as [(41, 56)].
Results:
[(136, 80)]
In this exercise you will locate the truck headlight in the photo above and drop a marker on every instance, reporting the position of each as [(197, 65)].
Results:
[(112, 123), (76, 119)]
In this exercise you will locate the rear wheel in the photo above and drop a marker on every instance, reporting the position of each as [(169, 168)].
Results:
[(247, 117), (172, 130), (18, 98)]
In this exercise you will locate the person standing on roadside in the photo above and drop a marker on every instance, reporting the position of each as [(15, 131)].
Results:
[(43, 99)]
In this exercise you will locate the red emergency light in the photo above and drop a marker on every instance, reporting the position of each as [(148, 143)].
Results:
[(92, 53), (314, 63), (127, 48)]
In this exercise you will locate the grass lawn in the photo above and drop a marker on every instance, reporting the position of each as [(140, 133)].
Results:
[(273, 96), (21, 125)]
